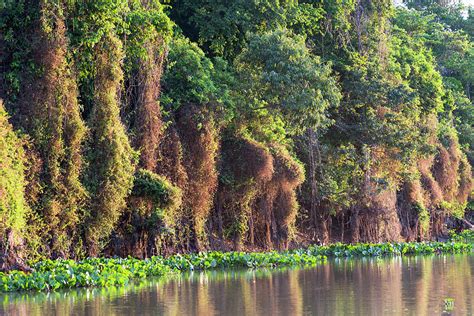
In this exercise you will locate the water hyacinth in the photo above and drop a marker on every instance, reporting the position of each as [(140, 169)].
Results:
[(390, 249), (102, 272), (217, 259), (55, 274)]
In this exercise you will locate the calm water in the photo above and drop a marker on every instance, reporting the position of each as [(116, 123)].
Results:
[(395, 286)]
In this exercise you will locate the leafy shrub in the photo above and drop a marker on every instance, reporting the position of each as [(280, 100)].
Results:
[(466, 236), (157, 188)]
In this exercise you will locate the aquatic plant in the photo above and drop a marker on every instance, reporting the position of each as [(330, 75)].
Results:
[(217, 259), (388, 249), (55, 274)]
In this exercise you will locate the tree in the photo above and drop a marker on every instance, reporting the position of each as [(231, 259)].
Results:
[(13, 206), (193, 97), (221, 27), (278, 75), (148, 33), (48, 109), (111, 158)]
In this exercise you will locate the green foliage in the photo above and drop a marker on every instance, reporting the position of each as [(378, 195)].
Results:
[(390, 249), (150, 185), (140, 24), (338, 179), (158, 189), (465, 236), (188, 75), (279, 75), (220, 260), (369, 97), (89, 23), (454, 208), (446, 33), (423, 217), (146, 24), (13, 207), (111, 158), (221, 27), (191, 77), (16, 17), (305, 18), (56, 274), (412, 61), (464, 121), (50, 275)]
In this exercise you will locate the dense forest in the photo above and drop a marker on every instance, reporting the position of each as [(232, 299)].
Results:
[(137, 127)]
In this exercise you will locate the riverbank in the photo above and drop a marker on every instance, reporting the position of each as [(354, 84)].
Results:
[(102, 272)]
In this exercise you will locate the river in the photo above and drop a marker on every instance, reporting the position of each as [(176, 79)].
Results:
[(425, 285)]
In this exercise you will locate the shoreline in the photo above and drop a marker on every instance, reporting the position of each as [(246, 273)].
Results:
[(50, 275)]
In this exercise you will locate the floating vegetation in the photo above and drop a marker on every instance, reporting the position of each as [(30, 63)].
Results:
[(55, 274), (390, 249), (102, 272)]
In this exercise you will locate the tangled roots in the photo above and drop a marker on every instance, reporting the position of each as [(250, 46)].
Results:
[(377, 220), (413, 215), (199, 138), (445, 169), (246, 166), (280, 205), (465, 180), (433, 192)]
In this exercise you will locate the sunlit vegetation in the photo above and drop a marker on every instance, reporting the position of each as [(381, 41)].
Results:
[(143, 129), (55, 274), (387, 249), (51, 275), (466, 236), (13, 207)]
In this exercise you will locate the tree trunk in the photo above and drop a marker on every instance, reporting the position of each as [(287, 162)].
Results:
[(312, 177)]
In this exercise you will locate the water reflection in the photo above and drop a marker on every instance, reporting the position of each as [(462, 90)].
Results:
[(396, 286)]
